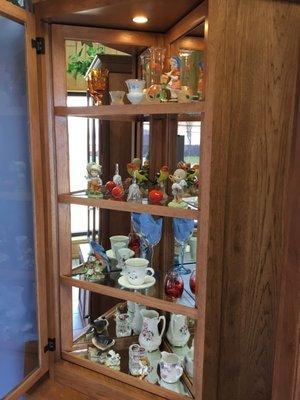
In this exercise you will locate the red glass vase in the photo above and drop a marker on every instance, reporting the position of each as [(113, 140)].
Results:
[(193, 281), (173, 285)]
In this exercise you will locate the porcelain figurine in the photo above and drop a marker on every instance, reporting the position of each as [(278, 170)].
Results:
[(170, 367), (192, 179), (174, 73), (137, 319), (178, 332), (150, 338), (178, 187), (113, 360), (94, 181)]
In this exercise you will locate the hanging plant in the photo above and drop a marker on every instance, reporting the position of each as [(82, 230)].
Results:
[(79, 63)]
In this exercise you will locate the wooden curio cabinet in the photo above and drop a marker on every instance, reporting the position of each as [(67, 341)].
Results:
[(233, 121)]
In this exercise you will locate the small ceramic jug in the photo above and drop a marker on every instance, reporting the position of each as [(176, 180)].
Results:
[(170, 367), (178, 332), (135, 85), (137, 319), (149, 337)]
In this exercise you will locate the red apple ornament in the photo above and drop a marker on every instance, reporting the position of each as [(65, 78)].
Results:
[(110, 185), (117, 192), (155, 196)]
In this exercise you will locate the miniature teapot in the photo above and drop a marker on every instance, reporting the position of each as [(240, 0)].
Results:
[(178, 333), (170, 367), (149, 337)]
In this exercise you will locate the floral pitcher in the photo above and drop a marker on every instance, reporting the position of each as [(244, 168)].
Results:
[(178, 333), (149, 337)]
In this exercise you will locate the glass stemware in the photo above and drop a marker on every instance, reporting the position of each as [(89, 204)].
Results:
[(149, 230), (183, 230)]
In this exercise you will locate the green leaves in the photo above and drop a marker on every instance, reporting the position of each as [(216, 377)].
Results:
[(79, 63)]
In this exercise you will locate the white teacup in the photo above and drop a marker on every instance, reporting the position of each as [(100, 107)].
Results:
[(117, 96), (136, 270), (121, 239)]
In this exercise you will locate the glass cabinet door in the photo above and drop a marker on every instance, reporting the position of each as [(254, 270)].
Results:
[(21, 244)]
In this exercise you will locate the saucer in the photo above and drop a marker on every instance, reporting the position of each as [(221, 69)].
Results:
[(150, 281)]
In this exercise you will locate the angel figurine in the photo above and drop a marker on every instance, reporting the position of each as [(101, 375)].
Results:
[(178, 187), (94, 182)]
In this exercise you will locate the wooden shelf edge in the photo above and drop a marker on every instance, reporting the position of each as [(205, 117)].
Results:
[(163, 211), (121, 376), (131, 296), (130, 110)]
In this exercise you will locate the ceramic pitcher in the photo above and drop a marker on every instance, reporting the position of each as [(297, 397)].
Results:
[(150, 338), (178, 332), (137, 319)]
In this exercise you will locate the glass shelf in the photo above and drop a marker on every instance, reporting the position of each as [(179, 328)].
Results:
[(83, 342), (127, 110)]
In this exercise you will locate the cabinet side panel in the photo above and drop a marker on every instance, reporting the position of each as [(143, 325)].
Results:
[(256, 48)]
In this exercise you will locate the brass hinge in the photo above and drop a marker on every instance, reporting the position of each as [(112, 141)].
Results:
[(38, 44)]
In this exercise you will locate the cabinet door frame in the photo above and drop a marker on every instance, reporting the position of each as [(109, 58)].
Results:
[(17, 14)]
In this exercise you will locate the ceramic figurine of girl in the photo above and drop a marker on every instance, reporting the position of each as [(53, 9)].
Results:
[(94, 182), (174, 74), (179, 184)]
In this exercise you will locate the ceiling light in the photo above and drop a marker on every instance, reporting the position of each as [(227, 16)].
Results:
[(140, 19)]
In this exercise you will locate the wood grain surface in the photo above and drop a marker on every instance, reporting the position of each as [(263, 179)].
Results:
[(253, 96)]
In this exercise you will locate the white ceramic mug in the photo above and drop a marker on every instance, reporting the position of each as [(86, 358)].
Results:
[(117, 96), (121, 239), (136, 270), (170, 367)]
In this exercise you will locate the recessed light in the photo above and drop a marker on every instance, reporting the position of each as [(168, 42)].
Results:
[(140, 19)]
